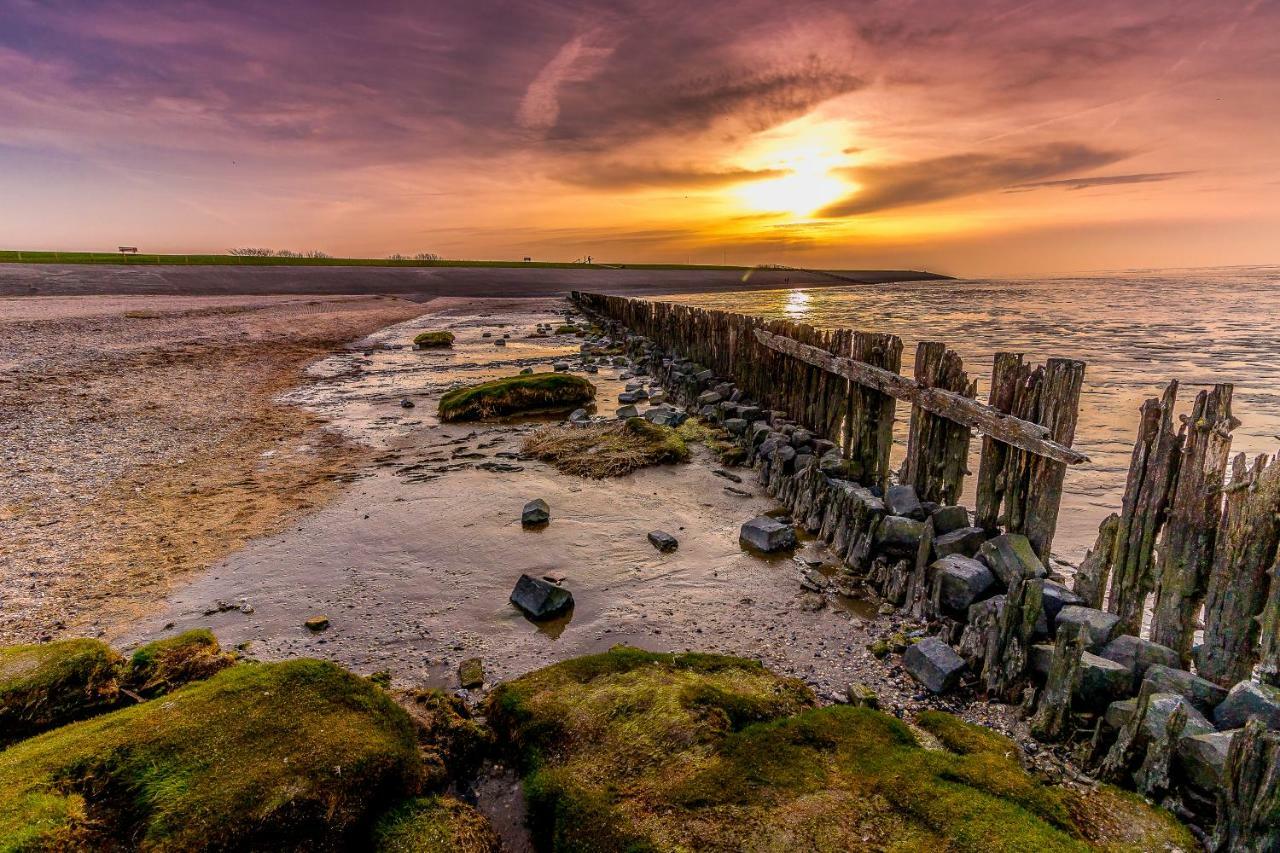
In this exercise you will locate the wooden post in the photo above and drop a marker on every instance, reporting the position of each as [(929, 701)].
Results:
[(1007, 375), (1059, 410), (1091, 577), (870, 412), (1007, 653), (1249, 801), (1244, 553), (937, 448), (1054, 712), (1186, 551), (1152, 471)]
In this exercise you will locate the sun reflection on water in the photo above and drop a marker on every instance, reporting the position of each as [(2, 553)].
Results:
[(797, 306)]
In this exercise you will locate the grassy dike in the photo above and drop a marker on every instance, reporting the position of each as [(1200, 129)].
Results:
[(623, 751)]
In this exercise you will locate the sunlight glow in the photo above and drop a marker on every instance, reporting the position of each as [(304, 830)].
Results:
[(811, 154)]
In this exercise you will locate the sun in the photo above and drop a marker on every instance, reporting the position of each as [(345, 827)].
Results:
[(811, 183)]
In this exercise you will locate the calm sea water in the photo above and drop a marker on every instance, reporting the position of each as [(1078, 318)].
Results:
[(1135, 330)]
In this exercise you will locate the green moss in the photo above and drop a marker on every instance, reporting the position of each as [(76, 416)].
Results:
[(47, 685), (566, 329), (608, 449), (274, 756), (435, 825), (532, 392), (634, 750), (429, 340), (164, 665)]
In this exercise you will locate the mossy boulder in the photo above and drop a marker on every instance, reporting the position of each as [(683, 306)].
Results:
[(433, 340), (435, 825), (510, 395), (285, 756), (165, 665), (632, 750), (50, 684)]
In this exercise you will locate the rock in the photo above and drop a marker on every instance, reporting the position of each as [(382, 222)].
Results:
[(949, 518), (539, 599), (499, 342), (526, 371), (737, 426), (1201, 692), (1137, 655), (1120, 712), (663, 541), (899, 534), (1203, 757), (560, 366), (486, 334), (902, 500), (1101, 682), (316, 623), (629, 397), (1098, 625), (657, 398), (1160, 708), (1009, 557), (704, 375), (590, 368), (625, 412), (709, 398), (1247, 700), (471, 673), (1040, 658), (579, 417), (767, 534), (862, 696), (800, 438), (406, 404), (665, 416), (961, 581), (964, 541), (934, 664), (1055, 597), (535, 512)]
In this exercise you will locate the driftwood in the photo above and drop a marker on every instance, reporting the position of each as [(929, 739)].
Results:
[(1054, 711), (1249, 802), (1146, 497), (1195, 507), (1028, 436), (869, 420), (1243, 555), (1090, 581), (937, 447)]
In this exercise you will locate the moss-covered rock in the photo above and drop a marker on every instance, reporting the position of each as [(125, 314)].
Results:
[(280, 756), (165, 665), (453, 743), (433, 340), (435, 825), (638, 751), (46, 685), (512, 394)]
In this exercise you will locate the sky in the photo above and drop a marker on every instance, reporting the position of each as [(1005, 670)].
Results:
[(991, 137)]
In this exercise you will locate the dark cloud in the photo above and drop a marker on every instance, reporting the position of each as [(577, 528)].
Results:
[(616, 176), (1099, 181), (894, 185)]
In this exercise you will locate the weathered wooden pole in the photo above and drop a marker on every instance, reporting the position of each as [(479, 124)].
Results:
[(1249, 802), (1007, 374), (1054, 711), (870, 412), (1152, 471), (1058, 409), (1238, 583), (1090, 581), (937, 447), (1186, 551)]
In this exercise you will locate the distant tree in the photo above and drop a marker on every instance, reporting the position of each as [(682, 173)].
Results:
[(397, 257), (252, 253), (316, 253), (426, 256), (285, 253)]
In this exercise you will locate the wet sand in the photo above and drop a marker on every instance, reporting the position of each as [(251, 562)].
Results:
[(414, 563), (142, 442)]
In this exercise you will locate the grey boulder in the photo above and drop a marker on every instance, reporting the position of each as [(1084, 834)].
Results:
[(902, 500), (934, 664), (1010, 557), (1201, 692), (1203, 757), (960, 582), (663, 541), (540, 599), (1138, 655), (964, 541), (899, 534), (1101, 682), (535, 512), (949, 518), (767, 534), (1098, 625), (1247, 700)]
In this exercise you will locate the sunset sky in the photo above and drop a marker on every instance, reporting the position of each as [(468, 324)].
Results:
[(976, 138)]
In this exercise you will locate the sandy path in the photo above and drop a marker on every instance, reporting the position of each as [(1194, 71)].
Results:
[(142, 442)]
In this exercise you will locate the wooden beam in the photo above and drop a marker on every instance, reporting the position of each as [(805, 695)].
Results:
[(947, 404)]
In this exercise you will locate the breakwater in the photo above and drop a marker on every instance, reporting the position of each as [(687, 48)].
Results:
[(1106, 661)]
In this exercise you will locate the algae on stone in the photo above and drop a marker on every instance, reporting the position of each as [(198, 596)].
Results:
[(435, 825), (167, 664), (531, 392), (293, 755), (633, 750), (46, 685)]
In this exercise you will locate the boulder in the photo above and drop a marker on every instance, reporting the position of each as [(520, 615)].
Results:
[(737, 426), (1098, 625), (960, 581), (1120, 712), (540, 599), (406, 403), (1138, 655), (526, 371), (1010, 557), (1201, 692), (665, 416), (1055, 597), (949, 518), (899, 534), (934, 664), (590, 368), (663, 541), (1160, 708), (535, 512), (471, 674), (560, 366), (801, 438), (964, 541), (315, 624), (1101, 682), (767, 534), (629, 397), (1203, 757), (1040, 658), (902, 500), (1247, 700), (579, 416), (624, 412)]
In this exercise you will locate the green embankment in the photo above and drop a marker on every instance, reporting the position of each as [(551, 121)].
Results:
[(9, 256)]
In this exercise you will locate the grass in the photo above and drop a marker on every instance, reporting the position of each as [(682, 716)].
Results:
[(165, 665), (435, 825), (47, 685), (24, 257), (428, 340), (634, 751), (607, 450), (512, 394), (276, 756)]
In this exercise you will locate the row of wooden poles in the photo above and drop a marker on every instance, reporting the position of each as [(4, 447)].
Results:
[(1183, 541)]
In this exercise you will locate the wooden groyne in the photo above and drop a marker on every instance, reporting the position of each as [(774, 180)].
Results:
[(1106, 661)]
